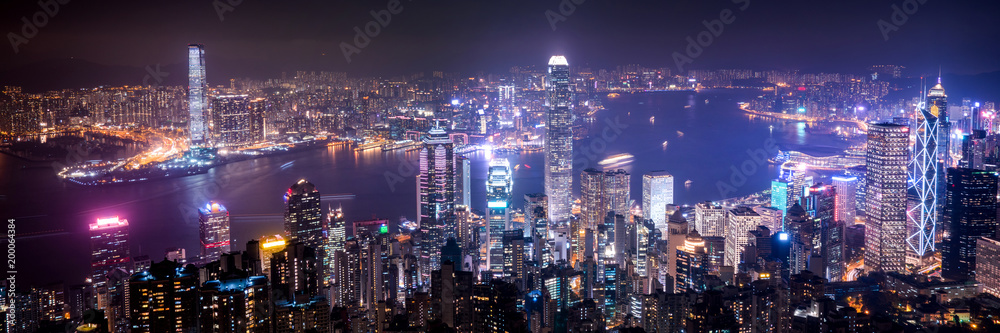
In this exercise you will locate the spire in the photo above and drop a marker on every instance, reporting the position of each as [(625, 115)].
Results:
[(939, 74)]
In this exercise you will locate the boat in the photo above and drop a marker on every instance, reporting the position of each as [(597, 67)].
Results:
[(613, 95), (651, 119), (665, 143), (688, 183), (618, 160)]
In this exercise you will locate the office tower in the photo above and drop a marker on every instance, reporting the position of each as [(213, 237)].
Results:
[(847, 187), (973, 150), (970, 213), (304, 219), (294, 273), (197, 93), (436, 182), (164, 298), (926, 179), (112, 298), (988, 265), (617, 196), (559, 141), (937, 105), (269, 245), (710, 219), (828, 232), (109, 249), (886, 158), (691, 261), (536, 206), (213, 220), (451, 297), (593, 208), (498, 189), (770, 217), (313, 314), (513, 258), (337, 228), (739, 222), (466, 233), (657, 193), (236, 305), (237, 120), (463, 182), (779, 195)]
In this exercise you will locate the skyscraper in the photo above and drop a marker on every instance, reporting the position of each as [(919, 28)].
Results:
[(779, 195), (304, 217), (847, 187), (885, 231), (498, 189), (593, 208), (463, 182), (710, 219), (657, 193), (926, 180), (213, 220), (108, 248), (197, 90), (739, 223), (164, 298), (970, 213), (436, 182), (559, 141), (617, 196)]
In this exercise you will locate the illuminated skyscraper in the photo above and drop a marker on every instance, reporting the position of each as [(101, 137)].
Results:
[(269, 245), (617, 196), (498, 188), (108, 248), (559, 141), (463, 182), (885, 199), (739, 223), (593, 208), (847, 190), (923, 216), (197, 90), (337, 235), (779, 195), (436, 182), (304, 218), (213, 220), (164, 298), (237, 120), (710, 219), (657, 193)]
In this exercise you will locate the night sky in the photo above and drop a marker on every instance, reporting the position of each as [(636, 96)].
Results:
[(260, 39)]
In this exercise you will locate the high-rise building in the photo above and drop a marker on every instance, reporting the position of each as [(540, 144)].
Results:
[(847, 187), (657, 193), (108, 248), (237, 120), (593, 208), (739, 222), (295, 273), (559, 141), (197, 93), (269, 245), (779, 195), (970, 213), (213, 220), (463, 182), (436, 182), (973, 150), (498, 189), (337, 235), (692, 260), (535, 207), (164, 298), (617, 196), (304, 216), (710, 219), (926, 180), (513, 258), (887, 157), (988, 265), (236, 305)]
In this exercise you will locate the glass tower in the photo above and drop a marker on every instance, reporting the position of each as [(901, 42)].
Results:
[(498, 186), (657, 193), (213, 220), (197, 92), (886, 158), (559, 141)]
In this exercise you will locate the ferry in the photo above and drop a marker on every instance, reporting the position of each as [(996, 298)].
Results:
[(615, 161), (613, 95)]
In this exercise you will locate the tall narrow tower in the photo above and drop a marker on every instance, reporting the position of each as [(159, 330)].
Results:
[(559, 141), (498, 186), (886, 157), (926, 181), (196, 92)]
